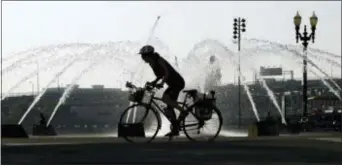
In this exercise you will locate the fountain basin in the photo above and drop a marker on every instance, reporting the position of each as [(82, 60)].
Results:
[(13, 131)]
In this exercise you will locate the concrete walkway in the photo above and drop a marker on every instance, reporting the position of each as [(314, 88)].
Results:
[(109, 150)]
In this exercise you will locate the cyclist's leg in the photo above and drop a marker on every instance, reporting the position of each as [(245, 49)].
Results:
[(170, 98), (167, 96)]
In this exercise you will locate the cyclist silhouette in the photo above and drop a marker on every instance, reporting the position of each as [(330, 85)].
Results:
[(165, 72)]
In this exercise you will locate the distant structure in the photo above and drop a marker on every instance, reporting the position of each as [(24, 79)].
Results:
[(269, 72), (176, 62), (96, 109), (213, 74)]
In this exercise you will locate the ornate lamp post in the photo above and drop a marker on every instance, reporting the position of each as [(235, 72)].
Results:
[(305, 38), (239, 26)]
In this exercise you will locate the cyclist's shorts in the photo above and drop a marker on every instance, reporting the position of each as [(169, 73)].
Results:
[(173, 92)]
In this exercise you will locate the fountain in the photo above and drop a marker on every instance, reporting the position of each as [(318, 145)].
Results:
[(225, 56), (336, 93), (47, 67), (278, 49), (122, 53), (272, 47), (86, 57), (37, 98), (141, 71), (71, 87), (311, 51), (20, 62)]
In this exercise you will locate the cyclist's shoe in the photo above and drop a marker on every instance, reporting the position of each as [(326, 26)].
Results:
[(172, 133)]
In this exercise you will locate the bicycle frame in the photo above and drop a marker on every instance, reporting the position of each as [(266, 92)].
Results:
[(153, 103), (182, 104), (145, 97)]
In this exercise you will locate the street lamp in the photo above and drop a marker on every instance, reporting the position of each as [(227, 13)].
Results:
[(37, 63), (305, 38), (32, 87), (239, 26)]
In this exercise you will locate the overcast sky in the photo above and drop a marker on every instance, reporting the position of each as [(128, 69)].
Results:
[(27, 25), (183, 24)]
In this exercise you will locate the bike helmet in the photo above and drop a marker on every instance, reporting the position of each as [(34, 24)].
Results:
[(147, 49)]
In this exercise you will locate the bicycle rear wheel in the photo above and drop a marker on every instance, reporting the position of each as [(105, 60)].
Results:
[(145, 116), (200, 130)]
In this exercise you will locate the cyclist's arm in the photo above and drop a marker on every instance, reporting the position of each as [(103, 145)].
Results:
[(166, 76), (156, 80)]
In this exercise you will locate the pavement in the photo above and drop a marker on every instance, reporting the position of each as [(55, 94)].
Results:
[(300, 149)]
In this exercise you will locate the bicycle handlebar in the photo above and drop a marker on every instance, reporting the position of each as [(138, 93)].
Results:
[(147, 86), (130, 85)]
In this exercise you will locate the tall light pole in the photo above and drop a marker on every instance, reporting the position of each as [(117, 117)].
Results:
[(58, 84), (239, 26), (37, 76), (305, 38), (32, 87)]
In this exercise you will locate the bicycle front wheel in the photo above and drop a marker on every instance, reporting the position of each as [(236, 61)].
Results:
[(196, 129), (147, 120)]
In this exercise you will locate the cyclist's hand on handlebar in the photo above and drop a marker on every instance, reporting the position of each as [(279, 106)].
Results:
[(129, 84), (159, 86), (151, 84)]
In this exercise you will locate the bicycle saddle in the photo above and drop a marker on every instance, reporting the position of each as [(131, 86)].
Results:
[(190, 91)]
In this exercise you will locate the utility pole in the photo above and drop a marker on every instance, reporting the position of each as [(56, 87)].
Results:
[(58, 85), (239, 26), (37, 76)]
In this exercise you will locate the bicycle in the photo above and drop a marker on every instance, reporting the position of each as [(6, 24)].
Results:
[(202, 109)]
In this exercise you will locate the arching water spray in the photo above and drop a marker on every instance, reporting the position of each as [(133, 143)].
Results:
[(322, 79), (327, 84), (216, 46), (319, 58), (274, 100), (29, 60), (325, 74), (46, 48), (153, 29), (295, 52), (44, 90), (46, 87), (47, 67), (325, 52), (260, 50), (255, 111), (279, 48), (334, 56), (141, 66), (269, 92), (71, 87), (36, 52)]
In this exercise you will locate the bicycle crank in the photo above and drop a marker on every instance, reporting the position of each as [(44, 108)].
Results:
[(200, 125)]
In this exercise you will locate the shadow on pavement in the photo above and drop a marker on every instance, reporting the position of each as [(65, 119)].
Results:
[(221, 152)]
